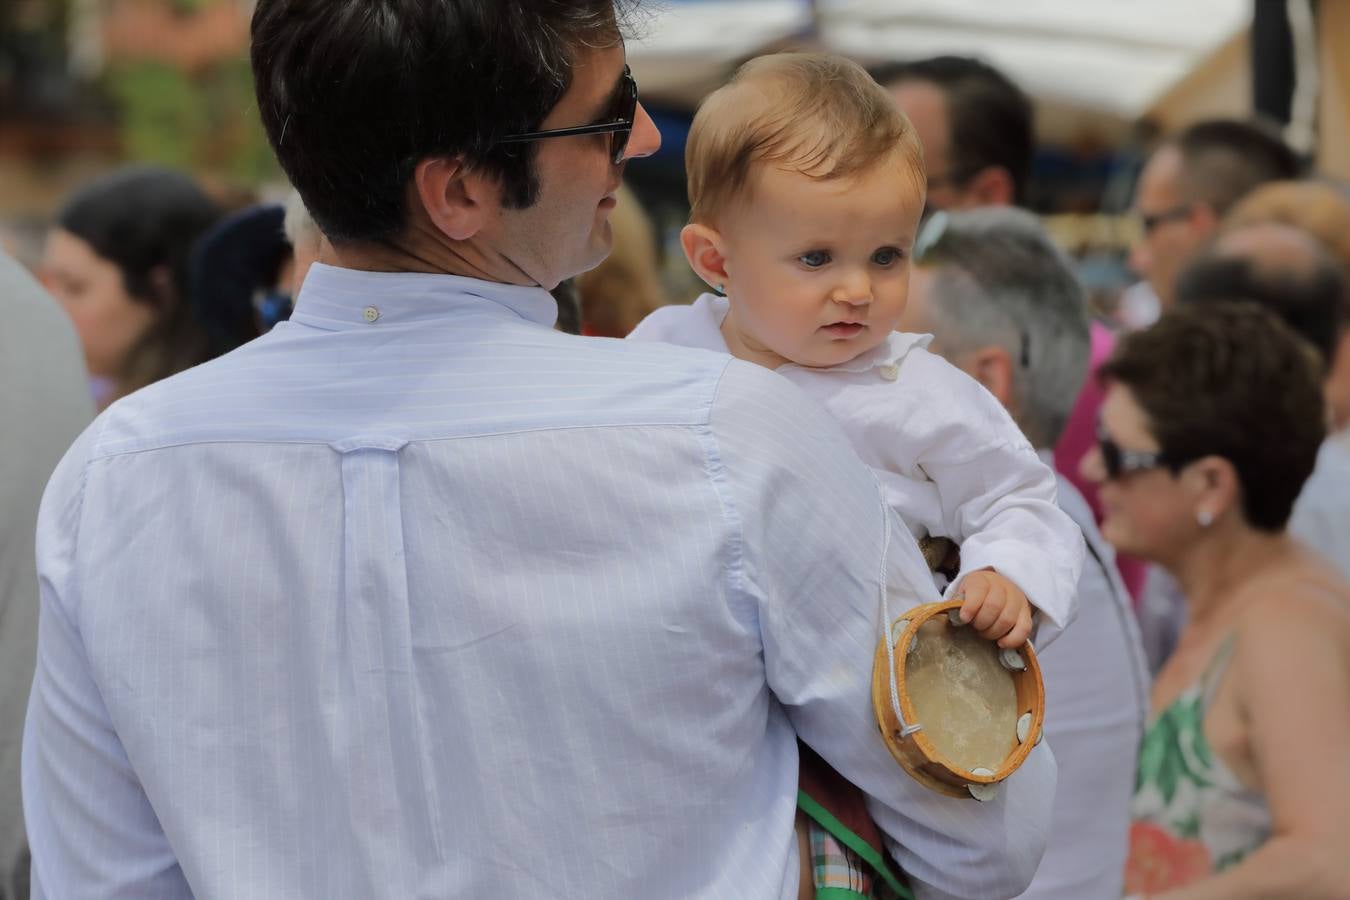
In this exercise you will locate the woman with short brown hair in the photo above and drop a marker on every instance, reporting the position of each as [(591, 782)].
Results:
[(1211, 424)]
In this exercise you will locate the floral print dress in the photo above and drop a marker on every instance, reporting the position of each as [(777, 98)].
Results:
[(1191, 816)]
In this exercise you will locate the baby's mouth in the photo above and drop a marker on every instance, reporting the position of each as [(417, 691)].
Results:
[(845, 329)]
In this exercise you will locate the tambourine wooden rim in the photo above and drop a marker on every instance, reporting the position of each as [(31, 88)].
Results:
[(915, 752)]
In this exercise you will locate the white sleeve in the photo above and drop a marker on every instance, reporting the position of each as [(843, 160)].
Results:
[(91, 828), (814, 529), (997, 497)]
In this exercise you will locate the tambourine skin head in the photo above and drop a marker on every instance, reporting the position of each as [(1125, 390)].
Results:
[(919, 753)]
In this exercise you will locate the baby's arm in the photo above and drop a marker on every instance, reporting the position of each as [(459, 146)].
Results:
[(997, 497), (999, 505)]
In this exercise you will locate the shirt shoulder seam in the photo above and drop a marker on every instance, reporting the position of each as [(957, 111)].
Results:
[(100, 454)]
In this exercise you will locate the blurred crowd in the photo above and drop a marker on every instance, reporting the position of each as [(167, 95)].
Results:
[(1203, 447)]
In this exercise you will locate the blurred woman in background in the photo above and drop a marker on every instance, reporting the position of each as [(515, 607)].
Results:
[(117, 260), (1211, 424)]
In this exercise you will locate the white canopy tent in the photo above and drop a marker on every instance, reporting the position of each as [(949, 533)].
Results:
[(1107, 59)]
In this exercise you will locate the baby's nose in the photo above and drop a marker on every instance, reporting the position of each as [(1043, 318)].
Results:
[(854, 292)]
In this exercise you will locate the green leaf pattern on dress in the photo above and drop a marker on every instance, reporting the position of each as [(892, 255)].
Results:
[(1182, 788), (1175, 752)]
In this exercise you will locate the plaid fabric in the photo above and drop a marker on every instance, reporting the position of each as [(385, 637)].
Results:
[(841, 874), (847, 855), (835, 866)]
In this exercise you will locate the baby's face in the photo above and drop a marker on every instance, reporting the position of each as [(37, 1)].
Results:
[(818, 271)]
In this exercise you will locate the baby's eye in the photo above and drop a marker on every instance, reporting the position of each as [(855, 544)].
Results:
[(815, 259), (887, 256)]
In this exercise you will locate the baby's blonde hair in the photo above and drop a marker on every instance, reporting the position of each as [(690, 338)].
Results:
[(812, 113)]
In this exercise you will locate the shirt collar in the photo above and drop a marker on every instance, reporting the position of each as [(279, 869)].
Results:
[(338, 299), (889, 352)]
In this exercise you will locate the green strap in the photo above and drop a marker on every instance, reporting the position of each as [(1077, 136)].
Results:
[(844, 835)]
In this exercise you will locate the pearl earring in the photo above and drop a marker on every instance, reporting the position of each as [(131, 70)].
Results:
[(1205, 518)]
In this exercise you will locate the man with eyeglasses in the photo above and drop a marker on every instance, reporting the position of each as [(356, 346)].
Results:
[(415, 596), (1187, 186)]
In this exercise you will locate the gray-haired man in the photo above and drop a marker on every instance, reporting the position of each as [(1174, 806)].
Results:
[(1003, 305)]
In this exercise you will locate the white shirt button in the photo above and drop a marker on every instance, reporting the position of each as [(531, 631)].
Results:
[(889, 372), (371, 313)]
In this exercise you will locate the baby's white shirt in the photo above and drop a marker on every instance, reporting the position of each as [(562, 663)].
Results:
[(950, 460)]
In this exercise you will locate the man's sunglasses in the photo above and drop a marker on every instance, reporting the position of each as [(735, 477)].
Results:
[(1119, 462), (619, 127)]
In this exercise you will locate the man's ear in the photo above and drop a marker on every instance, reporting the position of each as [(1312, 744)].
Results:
[(456, 200), (703, 247), (992, 366), (991, 186)]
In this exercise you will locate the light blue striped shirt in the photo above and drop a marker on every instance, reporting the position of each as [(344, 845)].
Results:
[(416, 597)]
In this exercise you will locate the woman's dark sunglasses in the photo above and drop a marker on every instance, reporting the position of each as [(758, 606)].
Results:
[(1119, 462), (619, 127)]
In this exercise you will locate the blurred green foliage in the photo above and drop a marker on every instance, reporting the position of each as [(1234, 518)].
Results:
[(203, 121), (162, 120)]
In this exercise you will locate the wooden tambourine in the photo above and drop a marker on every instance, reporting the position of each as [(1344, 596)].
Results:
[(969, 710)]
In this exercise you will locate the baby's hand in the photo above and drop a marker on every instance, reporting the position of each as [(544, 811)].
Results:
[(995, 607)]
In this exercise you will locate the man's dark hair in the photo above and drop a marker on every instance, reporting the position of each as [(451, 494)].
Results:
[(1311, 299), (355, 93), (1230, 380), (989, 116), (1224, 159)]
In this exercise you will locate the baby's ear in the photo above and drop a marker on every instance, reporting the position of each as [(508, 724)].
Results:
[(703, 248)]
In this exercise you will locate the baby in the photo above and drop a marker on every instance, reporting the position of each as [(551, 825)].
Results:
[(807, 185)]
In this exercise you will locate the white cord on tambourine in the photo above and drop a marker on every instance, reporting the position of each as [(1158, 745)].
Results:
[(905, 729)]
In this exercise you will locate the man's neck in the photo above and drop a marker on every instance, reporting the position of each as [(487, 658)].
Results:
[(419, 251)]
